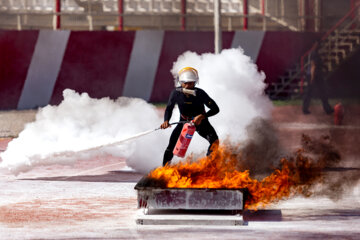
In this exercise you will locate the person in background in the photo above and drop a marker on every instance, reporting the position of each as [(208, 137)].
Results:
[(316, 83), (191, 102)]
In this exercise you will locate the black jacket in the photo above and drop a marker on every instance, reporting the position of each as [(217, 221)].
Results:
[(190, 106)]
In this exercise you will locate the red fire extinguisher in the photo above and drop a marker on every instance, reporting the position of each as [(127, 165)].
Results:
[(338, 114), (184, 139)]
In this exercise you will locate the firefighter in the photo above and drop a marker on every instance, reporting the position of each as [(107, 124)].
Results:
[(190, 101), (316, 83)]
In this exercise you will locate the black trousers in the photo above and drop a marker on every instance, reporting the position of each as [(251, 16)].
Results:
[(318, 88), (204, 129)]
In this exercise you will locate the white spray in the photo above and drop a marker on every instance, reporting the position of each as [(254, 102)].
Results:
[(79, 122)]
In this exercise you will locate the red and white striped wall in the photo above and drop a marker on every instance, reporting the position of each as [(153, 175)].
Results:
[(36, 66)]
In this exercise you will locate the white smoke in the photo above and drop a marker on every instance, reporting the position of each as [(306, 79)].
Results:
[(80, 122), (236, 85)]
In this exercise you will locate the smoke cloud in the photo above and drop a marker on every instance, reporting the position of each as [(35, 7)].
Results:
[(261, 152), (80, 122), (332, 179), (236, 85)]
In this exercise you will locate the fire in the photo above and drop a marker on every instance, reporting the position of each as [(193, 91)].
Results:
[(222, 170)]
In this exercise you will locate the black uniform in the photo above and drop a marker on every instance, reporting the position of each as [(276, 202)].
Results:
[(317, 85), (190, 106)]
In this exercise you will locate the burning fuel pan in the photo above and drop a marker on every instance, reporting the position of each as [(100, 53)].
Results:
[(191, 198), (211, 204)]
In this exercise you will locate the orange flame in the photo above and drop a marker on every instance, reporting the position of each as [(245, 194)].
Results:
[(222, 170)]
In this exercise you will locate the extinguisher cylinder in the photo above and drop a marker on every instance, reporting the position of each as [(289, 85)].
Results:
[(184, 139)]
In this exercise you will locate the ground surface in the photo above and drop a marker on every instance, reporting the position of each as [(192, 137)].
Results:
[(96, 199)]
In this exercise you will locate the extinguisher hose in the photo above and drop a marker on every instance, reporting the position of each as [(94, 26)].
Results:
[(70, 153)]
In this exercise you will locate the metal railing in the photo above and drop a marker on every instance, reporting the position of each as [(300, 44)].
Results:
[(93, 20), (335, 46), (326, 41), (153, 14)]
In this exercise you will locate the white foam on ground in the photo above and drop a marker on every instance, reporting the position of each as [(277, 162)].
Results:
[(80, 122)]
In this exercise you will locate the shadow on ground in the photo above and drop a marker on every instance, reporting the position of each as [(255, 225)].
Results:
[(263, 215)]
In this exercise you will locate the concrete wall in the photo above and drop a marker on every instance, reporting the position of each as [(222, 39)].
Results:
[(333, 10), (36, 66)]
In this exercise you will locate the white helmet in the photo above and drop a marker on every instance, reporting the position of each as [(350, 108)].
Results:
[(188, 74)]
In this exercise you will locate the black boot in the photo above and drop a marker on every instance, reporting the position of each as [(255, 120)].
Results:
[(168, 155), (213, 147)]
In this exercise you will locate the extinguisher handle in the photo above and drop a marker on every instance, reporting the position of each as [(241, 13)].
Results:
[(173, 124), (178, 122), (192, 122)]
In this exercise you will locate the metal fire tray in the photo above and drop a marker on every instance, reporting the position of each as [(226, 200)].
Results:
[(157, 197)]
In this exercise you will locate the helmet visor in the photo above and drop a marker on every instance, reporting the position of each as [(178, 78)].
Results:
[(189, 75)]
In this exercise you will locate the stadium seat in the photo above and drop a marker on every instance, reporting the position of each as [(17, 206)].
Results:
[(4, 5), (16, 5), (176, 6), (201, 6), (129, 6), (143, 6), (110, 5), (231, 6)]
